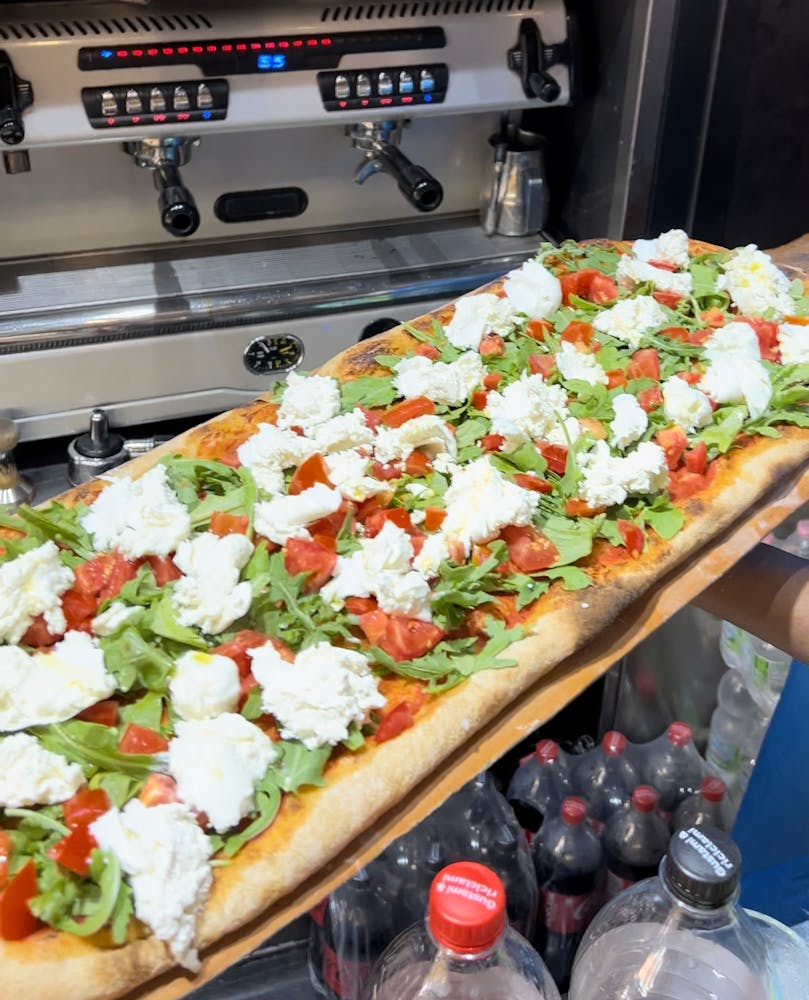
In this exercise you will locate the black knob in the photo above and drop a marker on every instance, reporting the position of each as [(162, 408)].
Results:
[(100, 441), (15, 96), (531, 58), (12, 132)]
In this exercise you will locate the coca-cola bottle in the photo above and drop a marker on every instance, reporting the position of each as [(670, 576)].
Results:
[(408, 866), (568, 861), (315, 956), (635, 838), (671, 765), (357, 927), (538, 786), (704, 808), (605, 777)]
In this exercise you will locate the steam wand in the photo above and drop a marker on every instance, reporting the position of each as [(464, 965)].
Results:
[(379, 142)]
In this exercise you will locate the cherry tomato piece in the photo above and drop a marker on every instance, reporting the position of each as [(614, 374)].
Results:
[(542, 364), (650, 399), (374, 624), (696, 458), (408, 409), (528, 549), (304, 556), (492, 442), (164, 569), (673, 442), (428, 351), (79, 610), (632, 535), (84, 807), (395, 722), (578, 507), (158, 790), (555, 455), (16, 919), (492, 346), (140, 740), (73, 851), (409, 638), (311, 471), (360, 605), (223, 524), (434, 518), (530, 481), (578, 333), (644, 364)]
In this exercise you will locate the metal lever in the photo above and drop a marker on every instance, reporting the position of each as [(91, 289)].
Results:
[(100, 449), (531, 58), (178, 210), (16, 95), (379, 141), (15, 489)]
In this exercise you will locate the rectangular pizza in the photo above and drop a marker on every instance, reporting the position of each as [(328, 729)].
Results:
[(221, 664)]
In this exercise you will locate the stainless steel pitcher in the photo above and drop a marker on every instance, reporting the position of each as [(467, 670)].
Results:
[(515, 202)]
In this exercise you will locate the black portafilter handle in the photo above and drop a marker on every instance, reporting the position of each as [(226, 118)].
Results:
[(418, 185), (178, 210)]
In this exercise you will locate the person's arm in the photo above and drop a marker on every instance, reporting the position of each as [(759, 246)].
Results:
[(765, 593)]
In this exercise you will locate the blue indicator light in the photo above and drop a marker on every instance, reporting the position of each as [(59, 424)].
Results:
[(264, 62), (106, 53), (206, 115), (428, 98), (279, 61)]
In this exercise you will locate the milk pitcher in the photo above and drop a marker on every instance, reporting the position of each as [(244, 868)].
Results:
[(515, 202)]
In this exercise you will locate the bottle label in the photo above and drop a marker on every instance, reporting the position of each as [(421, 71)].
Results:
[(565, 914), (343, 977), (318, 913)]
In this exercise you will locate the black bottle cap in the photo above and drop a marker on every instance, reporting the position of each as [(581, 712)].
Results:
[(702, 866)]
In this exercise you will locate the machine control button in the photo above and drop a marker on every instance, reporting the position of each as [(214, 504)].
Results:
[(109, 106), (363, 85), (204, 96), (384, 84), (342, 88), (157, 101), (181, 100), (426, 82), (405, 82), (134, 105)]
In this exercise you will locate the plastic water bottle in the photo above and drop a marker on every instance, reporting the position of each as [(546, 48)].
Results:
[(465, 950), (634, 840), (678, 936), (569, 865), (539, 785), (672, 766), (704, 808), (605, 777), (737, 714), (734, 645), (766, 673)]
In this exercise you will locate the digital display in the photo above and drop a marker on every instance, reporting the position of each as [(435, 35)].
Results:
[(270, 62)]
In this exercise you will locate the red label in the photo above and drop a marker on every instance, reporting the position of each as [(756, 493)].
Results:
[(567, 914), (318, 913), (344, 978)]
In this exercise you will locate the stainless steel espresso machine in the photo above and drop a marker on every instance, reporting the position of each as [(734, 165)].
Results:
[(189, 204)]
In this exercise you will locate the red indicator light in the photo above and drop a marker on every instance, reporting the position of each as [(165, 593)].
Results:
[(183, 116), (386, 100), (283, 45), (255, 45), (122, 53), (196, 49), (297, 43), (343, 104), (406, 100), (137, 52), (227, 48), (269, 45), (325, 41), (364, 104), (151, 52), (168, 52), (159, 118), (182, 50), (135, 119), (110, 121), (210, 48), (241, 47), (311, 41)]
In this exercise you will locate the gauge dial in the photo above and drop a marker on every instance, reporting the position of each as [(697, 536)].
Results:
[(269, 355)]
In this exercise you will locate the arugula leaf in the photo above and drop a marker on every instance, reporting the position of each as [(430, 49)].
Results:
[(663, 518), (268, 802), (252, 707), (96, 910), (572, 577), (467, 436), (573, 539), (367, 390), (526, 458), (355, 739), (296, 765), (134, 662), (40, 819), (94, 747), (161, 619), (120, 788), (56, 523), (462, 587), (526, 589), (720, 435), (146, 711)]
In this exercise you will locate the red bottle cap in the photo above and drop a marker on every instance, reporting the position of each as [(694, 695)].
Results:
[(644, 798), (679, 733), (574, 810), (713, 789), (546, 751), (613, 743), (467, 911)]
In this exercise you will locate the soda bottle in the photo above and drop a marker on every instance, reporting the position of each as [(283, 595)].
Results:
[(465, 950), (705, 807), (568, 861), (635, 838), (357, 927), (672, 766), (538, 786), (605, 777), (315, 954), (409, 865)]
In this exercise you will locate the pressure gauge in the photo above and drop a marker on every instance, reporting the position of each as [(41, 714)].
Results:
[(281, 352)]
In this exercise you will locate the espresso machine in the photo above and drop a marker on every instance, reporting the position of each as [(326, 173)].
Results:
[(196, 199)]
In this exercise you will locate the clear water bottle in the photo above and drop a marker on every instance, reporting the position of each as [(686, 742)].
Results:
[(706, 807), (678, 936), (465, 950), (737, 713), (634, 840), (766, 673), (734, 645), (605, 777), (672, 766), (539, 785), (569, 865)]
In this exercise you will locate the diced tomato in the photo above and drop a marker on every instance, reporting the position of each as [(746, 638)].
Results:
[(578, 507), (713, 317), (331, 523), (673, 442), (434, 518), (670, 299), (103, 713), (570, 286), (578, 333), (589, 284), (492, 346), (491, 380), (158, 790), (593, 427), (428, 351), (530, 481), (675, 333), (542, 364), (417, 464), (555, 455), (360, 605), (373, 416), (409, 638), (610, 555), (236, 648), (696, 458), (325, 541), (632, 535), (374, 624), (767, 332), (692, 377), (311, 471), (304, 556), (528, 549), (479, 399), (73, 851), (492, 442), (538, 328), (457, 552), (395, 722), (38, 635), (223, 524), (379, 501), (408, 409), (16, 919), (684, 483), (615, 378), (390, 470), (391, 515), (650, 399), (664, 265), (139, 739), (699, 337), (644, 364), (5, 856), (103, 575), (79, 610), (797, 320), (230, 458), (164, 569)]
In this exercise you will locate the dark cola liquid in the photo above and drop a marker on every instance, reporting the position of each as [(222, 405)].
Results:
[(567, 904)]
